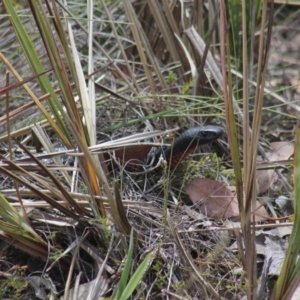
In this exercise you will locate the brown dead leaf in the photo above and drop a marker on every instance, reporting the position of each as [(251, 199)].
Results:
[(296, 83), (279, 151), (217, 200)]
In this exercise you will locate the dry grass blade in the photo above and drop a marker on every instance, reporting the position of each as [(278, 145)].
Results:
[(32, 95), (75, 123), (200, 46), (121, 47), (42, 138), (118, 212), (289, 278), (229, 109), (86, 95), (143, 46), (72, 265), (234, 149), (54, 180), (14, 219), (250, 181), (14, 227), (20, 83), (195, 273), (34, 188), (37, 66), (21, 241), (92, 170), (30, 167), (72, 17), (167, 34)]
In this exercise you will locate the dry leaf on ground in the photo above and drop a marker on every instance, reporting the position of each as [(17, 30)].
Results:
[(279, 151), (217, 200)]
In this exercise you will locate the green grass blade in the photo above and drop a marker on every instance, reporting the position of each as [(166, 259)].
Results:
[(137, 277), (127, 267), (37, 67), (289, 278)]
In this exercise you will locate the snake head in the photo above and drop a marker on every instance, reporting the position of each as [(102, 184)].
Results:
[(204, 134), (188, 141)]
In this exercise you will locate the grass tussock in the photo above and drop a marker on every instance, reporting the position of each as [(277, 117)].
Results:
[(87, 87)]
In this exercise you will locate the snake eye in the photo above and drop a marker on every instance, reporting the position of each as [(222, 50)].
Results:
[(209, 134), (206, 134)]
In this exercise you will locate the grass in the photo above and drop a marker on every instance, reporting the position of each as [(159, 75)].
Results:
[(82, 75)]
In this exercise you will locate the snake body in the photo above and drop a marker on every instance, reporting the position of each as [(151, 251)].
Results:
[(136, 158)]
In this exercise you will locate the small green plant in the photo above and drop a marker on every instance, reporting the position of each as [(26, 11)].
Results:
[(187, 87), (56, 254), (105, 230), (171, 77), (161, 279), (13, 287)]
